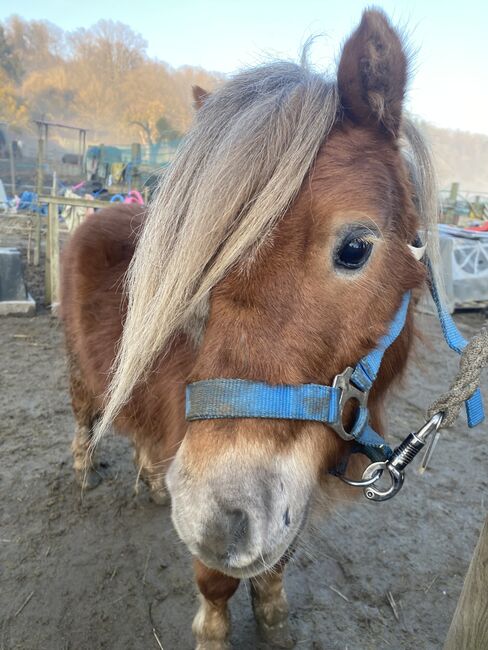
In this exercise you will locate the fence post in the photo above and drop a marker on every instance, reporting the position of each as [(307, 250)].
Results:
[(12, 169), (469, 626), (453, 194), (39, 185), (52, 257)]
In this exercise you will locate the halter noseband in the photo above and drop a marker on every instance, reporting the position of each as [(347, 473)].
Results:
[(240, 398)]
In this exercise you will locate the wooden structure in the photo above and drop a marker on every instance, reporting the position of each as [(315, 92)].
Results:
[(43, 128), (52, 240), (462, 209), (469, 626)]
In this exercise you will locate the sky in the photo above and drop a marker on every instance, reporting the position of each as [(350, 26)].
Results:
[(449, 81)]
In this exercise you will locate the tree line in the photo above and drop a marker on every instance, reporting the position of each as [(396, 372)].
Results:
[(99, 78), (102, 79)]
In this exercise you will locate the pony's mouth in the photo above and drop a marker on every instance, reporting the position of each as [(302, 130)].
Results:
[(264, 563)]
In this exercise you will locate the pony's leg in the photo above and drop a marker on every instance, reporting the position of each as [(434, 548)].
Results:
[(84, 462), (211, 625), (270, 608), (152, 472)]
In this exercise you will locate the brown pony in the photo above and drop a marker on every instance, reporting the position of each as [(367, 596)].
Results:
[(276, 250)]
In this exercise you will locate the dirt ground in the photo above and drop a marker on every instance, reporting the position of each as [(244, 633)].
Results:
[(105, 570)]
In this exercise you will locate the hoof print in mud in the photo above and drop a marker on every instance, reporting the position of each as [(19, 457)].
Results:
[(159, 497)]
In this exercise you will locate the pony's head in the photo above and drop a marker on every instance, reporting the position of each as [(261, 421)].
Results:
[(279, 243)]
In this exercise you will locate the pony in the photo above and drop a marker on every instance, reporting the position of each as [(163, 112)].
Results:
[(276, 249)]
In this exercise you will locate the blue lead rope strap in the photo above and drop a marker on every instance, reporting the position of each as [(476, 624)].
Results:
[(372, 444), (239, 398), (455, 340)]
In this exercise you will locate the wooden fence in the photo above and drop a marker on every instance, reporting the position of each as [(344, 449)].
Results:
[(469, 626), (52, 241)]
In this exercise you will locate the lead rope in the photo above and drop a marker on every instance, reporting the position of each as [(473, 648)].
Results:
[(442, 413), (474, 358)]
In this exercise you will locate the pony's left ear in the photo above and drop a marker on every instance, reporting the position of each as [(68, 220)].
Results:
[(372, 74), (199, 96)]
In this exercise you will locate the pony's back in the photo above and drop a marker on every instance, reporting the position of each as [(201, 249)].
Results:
[(93, 308), (94, 263)]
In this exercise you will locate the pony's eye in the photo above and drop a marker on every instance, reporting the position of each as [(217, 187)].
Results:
[(353, 253)]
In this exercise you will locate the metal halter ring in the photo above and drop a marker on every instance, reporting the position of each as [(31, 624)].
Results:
[(364, 482), (394, 467), (348, 391)]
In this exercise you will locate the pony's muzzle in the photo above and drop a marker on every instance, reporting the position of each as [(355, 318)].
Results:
[(238, 516)]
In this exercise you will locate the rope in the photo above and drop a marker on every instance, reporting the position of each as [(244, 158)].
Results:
[(474, 358)]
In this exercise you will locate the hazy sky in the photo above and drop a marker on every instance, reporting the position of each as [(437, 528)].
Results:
[(449, 87)]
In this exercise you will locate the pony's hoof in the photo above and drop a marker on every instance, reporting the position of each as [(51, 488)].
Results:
[(88, 480), (278, 636), (213, 645), (160, 497)]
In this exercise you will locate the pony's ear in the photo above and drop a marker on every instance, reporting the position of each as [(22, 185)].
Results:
[(199, 96), (372, 73)]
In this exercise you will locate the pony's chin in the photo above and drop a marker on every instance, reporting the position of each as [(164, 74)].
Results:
[(258, 567)]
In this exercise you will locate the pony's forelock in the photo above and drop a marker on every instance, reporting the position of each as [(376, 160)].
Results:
[(236, 173)]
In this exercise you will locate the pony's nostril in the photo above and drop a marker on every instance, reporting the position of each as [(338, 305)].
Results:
[(226, 538), (226, 535), (286, 517), (239, 525)]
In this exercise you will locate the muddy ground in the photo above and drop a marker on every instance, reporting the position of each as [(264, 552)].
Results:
[(106, 570)]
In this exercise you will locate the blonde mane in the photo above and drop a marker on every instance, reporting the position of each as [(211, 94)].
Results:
[(236, 173)]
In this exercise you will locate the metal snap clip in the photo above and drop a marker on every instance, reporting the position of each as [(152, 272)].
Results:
[(401, 457)]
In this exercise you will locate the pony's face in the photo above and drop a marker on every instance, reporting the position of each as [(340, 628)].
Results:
[(314, 299)]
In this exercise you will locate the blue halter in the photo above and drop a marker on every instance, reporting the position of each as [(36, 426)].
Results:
[(238, 398)]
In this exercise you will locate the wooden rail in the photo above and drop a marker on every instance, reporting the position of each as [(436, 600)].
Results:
[(82, 203), (469, 626)]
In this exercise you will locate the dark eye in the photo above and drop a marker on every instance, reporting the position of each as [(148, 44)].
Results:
[(353, 252)]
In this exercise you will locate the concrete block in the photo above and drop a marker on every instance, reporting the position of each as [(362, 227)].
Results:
[(18, 307), (12, 285), (14, 298)]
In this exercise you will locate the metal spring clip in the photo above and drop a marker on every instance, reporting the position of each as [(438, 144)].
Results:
[(395, 466)]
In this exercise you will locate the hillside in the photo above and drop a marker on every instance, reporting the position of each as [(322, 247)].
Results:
[(459, 156), (102, 79)]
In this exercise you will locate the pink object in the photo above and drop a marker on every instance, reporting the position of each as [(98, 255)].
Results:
[(89, 210), (134, 197)]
